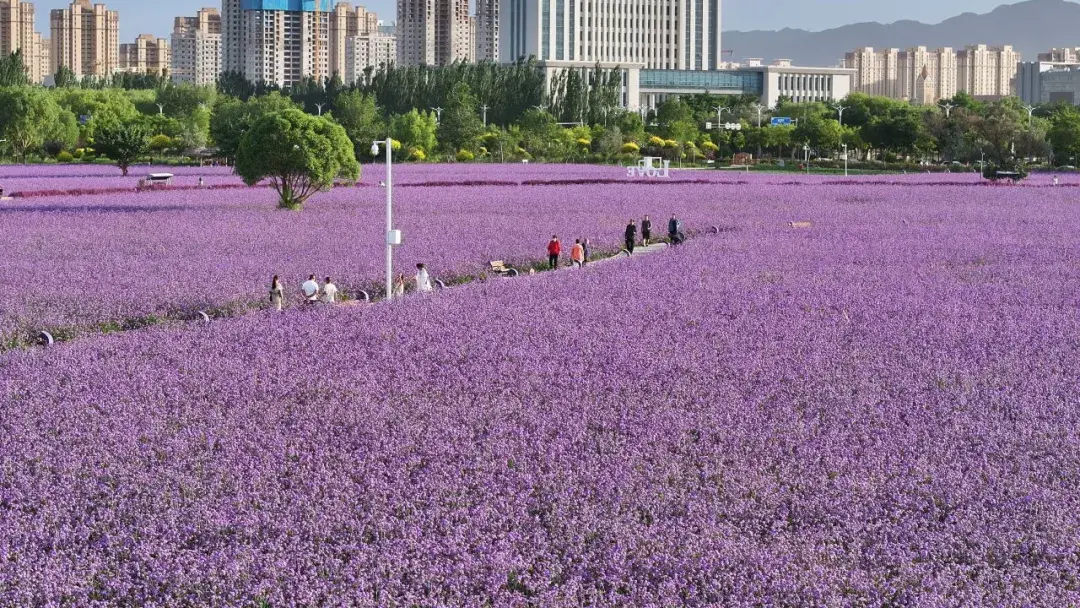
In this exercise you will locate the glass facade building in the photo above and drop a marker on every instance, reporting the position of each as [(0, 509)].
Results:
[(730, 82)]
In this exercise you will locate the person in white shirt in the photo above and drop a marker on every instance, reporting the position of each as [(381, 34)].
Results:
[(329, 292), (399, 286), (310, 288), (423, 280)]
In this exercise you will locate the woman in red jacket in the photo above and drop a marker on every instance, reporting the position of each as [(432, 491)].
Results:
[(554, 249)]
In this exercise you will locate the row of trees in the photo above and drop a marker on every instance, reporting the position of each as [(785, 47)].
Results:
[(505, 112)]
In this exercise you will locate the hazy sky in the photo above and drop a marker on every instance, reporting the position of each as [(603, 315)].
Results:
[(156, 16)]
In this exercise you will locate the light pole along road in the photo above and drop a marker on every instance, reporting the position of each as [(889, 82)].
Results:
[(393, 237)]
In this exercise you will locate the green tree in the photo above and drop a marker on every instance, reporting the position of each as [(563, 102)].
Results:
[(13, 70), (415, 130), (460, 127), (232, 118), (359, 116), (26, 117), (64, 78), (1064, 135), (676, 121), (820, 133), (124, 144), (300, 154), (160, 143), (97, 107)]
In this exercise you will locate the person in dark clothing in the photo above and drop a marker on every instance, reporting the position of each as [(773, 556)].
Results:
[(631, 236), (646, 231), (554, 249), (674, 229), (588, 251)]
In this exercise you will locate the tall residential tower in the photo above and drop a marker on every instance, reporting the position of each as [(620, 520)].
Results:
[(433, 32), (196, 48), (85, 38), (17, 34)]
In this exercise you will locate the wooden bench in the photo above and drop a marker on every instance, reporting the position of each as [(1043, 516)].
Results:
[(801, 225), (500, 268)]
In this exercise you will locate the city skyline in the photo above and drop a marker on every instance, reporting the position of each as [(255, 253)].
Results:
[(141, 17)]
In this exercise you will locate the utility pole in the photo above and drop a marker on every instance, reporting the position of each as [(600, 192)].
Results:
[(1030, 110), (438, 115), (948, 107), (759, 107), (160, 109), (485, 109), (320, 106)]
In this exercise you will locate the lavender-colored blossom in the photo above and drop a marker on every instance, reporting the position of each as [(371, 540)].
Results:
[(878, 410)]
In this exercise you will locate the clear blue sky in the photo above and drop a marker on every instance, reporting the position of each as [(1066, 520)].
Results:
[(156, 16)]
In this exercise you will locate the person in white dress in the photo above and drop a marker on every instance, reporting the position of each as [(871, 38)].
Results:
[(423, 280)]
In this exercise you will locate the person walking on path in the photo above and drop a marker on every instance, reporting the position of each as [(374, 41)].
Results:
[(631, 236), (674, 229), (577, 254), (399, 286), (554, 248), (329, 292), (277, 293), (423, 280), (587, 251), (310, 288), (646, 231)]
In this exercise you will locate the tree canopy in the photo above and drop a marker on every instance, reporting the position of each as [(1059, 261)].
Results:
[(298, 153)]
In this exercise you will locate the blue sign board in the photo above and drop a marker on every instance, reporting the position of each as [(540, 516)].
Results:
[(781, 121)]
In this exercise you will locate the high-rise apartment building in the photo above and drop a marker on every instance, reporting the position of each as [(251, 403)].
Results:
[(348, 22), (276, 41), (433, 32), (147, 55), (284, 41), (924, 73), (655, 34), (367, 53), (1066, 55), (486, 24), (978, 70), (85, 38), (17, 34), (876, 71), (987, 72), (196, 48)]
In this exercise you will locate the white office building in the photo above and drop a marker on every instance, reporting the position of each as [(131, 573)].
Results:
[(652, 34)]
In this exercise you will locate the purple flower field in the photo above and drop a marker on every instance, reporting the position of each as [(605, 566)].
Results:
[(880, 410), (71, 263)]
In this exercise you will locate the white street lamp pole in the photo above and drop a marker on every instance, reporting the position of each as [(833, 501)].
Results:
[(320, 106), (759, 107), (845, 159), (840, 110), (485, 109), (948, 107), (806, 150), (160, 109), (1030, 110), (438, 115), (392, 237), (720, 112)]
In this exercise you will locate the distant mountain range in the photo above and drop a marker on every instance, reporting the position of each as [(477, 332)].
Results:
[(1031, 27)]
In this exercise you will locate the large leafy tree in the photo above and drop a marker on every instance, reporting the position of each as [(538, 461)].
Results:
[(13, 70), (461, 126), (415, 130), (298, 153), (232, 118), (359, 116), (26, 117), (1064, 135), (123, 143)]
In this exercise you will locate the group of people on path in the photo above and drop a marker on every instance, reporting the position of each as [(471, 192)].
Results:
[(675, 233), (579, 253), (328, 293)]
